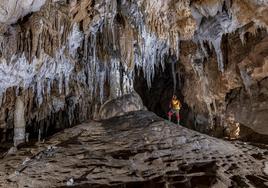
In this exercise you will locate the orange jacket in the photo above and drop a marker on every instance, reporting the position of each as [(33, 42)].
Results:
[(175, 104)]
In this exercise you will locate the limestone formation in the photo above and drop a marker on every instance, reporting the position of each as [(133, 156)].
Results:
[(19, 122), (64, 62), (91, 51)]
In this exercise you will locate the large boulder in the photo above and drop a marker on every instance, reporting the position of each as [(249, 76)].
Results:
[(120, 106)]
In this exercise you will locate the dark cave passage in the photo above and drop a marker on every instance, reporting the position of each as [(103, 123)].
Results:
[(158, 97)]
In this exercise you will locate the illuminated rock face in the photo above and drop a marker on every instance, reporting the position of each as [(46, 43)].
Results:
[(66, 58)]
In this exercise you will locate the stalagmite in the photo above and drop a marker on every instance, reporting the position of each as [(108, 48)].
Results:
[(19, 122), (115, 86), (27, 137), (39, 135)]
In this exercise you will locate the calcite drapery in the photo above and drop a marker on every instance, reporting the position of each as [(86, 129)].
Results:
[(70, 51)]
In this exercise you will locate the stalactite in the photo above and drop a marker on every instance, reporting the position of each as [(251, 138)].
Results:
[(174, 76), (74, 40), (212, 31), (90, 49), (246, 80), (152, 53)]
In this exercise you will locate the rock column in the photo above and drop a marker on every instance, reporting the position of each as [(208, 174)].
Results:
[(19, 122)]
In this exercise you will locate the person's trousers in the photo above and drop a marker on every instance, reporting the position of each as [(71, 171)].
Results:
[(176, 112)]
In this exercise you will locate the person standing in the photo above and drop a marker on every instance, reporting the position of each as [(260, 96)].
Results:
[(175, 106)]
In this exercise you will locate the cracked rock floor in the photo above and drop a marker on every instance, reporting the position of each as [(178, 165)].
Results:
[(135, 150)]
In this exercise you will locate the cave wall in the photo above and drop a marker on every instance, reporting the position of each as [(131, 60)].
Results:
[(249, 104), (214, 95), (65, 58)]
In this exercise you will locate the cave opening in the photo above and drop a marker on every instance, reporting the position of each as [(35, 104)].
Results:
[(157, 98)]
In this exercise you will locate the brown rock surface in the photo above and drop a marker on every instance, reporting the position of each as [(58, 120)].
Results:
[(138, 149), (250, 105)]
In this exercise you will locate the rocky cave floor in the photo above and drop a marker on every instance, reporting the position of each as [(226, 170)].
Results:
[(135, 150)]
